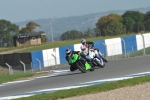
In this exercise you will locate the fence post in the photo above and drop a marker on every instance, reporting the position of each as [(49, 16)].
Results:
[(10, 68), (24, 67), (124, 47), (143, 43), (106, 50), (31, 67), (55, 59), (39, 63)]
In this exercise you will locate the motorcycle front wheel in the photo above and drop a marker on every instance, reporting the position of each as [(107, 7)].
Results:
[(81, 66), (99, 64)]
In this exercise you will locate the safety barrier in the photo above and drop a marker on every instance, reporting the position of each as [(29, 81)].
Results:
[(112, 49)]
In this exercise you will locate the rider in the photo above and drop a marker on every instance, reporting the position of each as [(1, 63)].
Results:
[(85, 49), (69, 53)]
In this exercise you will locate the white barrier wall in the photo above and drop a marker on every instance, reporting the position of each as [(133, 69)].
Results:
[(49, 57), (114, 46), (147, 40), (77, 47), (139, 41)]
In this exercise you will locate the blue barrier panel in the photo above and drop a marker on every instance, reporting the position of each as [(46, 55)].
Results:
[(39, 56), (99, 44), (62, 53), (131, 44)]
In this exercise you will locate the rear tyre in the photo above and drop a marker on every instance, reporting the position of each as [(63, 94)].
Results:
[(81, 66)]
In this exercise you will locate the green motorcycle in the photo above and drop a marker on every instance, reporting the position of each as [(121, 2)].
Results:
[(77, 61)]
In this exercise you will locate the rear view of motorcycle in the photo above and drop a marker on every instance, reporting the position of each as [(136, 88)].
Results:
[(95, 61), (97, 58)]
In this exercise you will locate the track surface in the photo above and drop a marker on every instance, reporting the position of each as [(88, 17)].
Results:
[(112, 69)]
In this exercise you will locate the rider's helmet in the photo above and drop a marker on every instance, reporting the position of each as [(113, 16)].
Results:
[(68, 52), (83, 41)]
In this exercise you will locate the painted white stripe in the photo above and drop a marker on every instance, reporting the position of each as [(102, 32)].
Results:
[(14, 97), (60, 71)]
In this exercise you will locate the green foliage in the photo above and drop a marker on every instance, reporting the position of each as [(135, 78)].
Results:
[(115, 28), (133, 20), (129, 23), (135, 15), (89, 32), (147, 21), (110, 25), (43, 39), (24, 30), (7, 31), (30, 27), (71, 35)]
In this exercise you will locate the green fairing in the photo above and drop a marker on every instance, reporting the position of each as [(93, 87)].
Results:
[(88, 66), (73, 58)]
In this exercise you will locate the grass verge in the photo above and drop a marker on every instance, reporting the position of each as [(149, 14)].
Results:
[(14, 77), (140, 52), (9, 78), (89, 89)]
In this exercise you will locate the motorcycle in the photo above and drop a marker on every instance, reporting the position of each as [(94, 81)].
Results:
[(93, 53), (77, 61), (95, 61)]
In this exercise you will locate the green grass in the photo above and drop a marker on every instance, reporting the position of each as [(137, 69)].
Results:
[(8, 78), (9, 48), (89, 89), (140, 52)]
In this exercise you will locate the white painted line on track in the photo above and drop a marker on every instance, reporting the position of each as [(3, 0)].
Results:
[(60, 71)]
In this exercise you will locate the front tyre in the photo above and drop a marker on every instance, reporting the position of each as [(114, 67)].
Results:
[(81, 66), (99, 64), (103, 58)]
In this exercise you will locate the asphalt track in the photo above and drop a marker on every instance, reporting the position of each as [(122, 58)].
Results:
[(112, 69)]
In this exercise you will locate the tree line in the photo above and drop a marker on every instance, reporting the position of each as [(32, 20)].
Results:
[(8, 30), (110, 25), (114, 24)]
